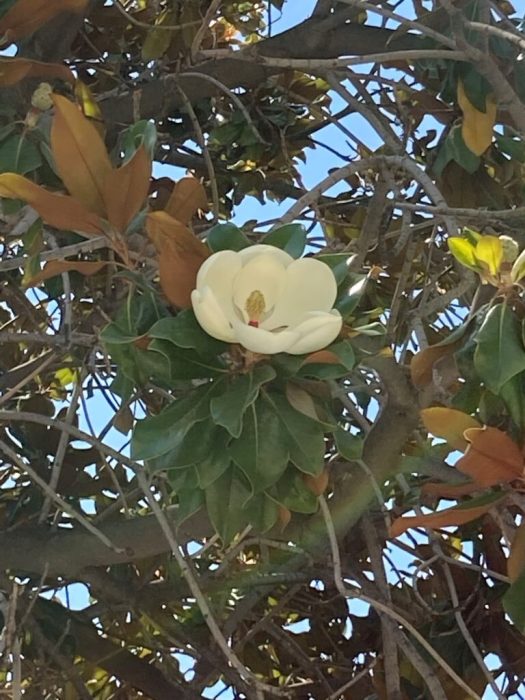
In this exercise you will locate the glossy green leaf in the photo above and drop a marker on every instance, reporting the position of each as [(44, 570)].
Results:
[(303, 436), (349, 301), (344, 351), (513, 395), (499, 354), (349, 446), (196, 445), (183, 331), (291, 492), (19, 155), (226, 237), (291, 238), (228, 409), (518, 268), (225, 500), (338, 263), (157, 435), (185, 363), (263, 512), (215, 462), (262, 450)]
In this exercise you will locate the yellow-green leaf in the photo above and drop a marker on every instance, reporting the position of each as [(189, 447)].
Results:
[(477, 126), (463, 251), (489, 253), (449, 424)]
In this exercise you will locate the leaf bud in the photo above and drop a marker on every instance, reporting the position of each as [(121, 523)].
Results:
[(510, 249)]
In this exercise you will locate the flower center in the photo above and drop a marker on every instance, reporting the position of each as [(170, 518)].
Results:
[(255, 306)]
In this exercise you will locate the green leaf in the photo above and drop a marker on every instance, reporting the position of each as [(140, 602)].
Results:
[(114, 335), (184, 331), (454, 148), (185, 364), (515, 148), (475, 85), (262, 449), (513, 394), (303, 436), (291, 238), (19, 155), (514, 603), (142, 133), (263, 512), (215, 462), (499, 354), (349, 446), (225, 499), (338, 263), (291, 492), (344, 351), (193, 447), (226, 237), (156, 435), (228, 409)]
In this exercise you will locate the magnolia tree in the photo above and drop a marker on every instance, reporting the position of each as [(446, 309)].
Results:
[(281, 457)]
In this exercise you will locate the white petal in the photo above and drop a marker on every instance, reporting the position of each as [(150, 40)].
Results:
[(310, 286), (263, 249), (218, 273), (316, 332), (263, 273), (210, 315), (259, 340)]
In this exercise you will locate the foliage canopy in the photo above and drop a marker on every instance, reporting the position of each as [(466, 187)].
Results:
[(181, 517)]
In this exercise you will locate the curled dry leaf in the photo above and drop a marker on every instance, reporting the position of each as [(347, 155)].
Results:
[(57, 210), (126, 188), (26, 16), (449, 424), (188, 197), (491, 458), (57, 267), (81, 157), (180, 254), (422, 364), (13, 70)]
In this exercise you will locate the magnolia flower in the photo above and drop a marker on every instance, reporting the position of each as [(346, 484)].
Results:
[(268, 302)]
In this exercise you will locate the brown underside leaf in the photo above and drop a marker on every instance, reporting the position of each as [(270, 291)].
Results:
[(57, 267), (444, 518), (13, 70), (322, 357), (422, 364), (491, 458), (180, 255), (187, 197), (57, 210), (26, 16), (126, 189), (81, 157)]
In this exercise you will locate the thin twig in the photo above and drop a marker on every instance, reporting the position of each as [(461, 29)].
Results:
[(66, 507), (199, 596), (347, 592)]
